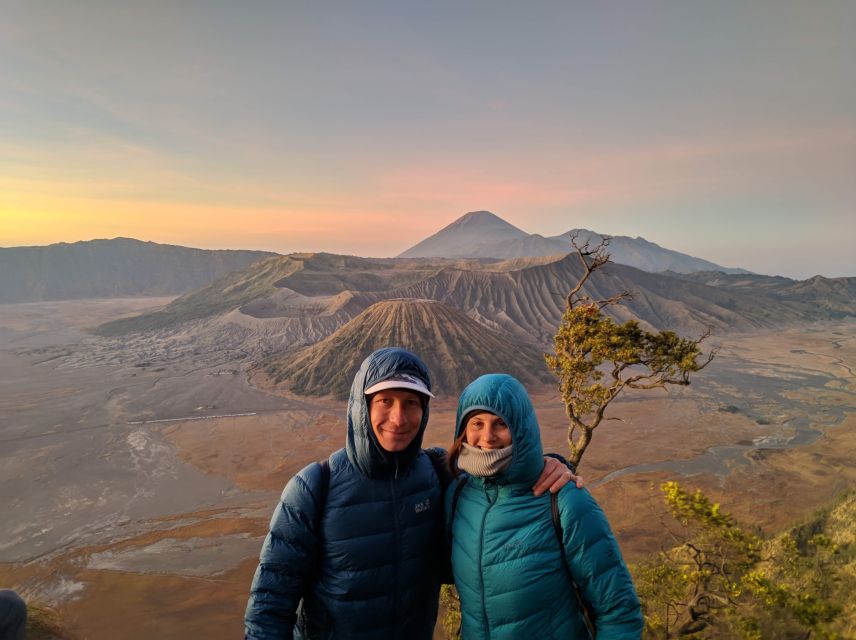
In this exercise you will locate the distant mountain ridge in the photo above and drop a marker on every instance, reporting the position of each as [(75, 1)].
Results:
[(121, 267), (287, 302), (305, 321), (833, 296), (482, 234), (649, 256), (304, 286)]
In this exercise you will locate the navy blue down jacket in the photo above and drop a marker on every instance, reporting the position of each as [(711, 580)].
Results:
[(367, 561)]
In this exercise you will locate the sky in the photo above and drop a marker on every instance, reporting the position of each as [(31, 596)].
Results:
[(725, 130)]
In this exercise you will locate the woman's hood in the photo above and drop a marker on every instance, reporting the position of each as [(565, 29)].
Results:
[(363, 449), (504, 396)]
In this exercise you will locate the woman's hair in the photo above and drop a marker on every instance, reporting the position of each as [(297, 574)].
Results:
[(455, 451), (458, 444)]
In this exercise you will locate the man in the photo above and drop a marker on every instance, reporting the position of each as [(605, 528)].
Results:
[(357, 549), (13, 616)]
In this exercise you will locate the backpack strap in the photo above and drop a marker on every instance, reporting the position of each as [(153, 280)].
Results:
[(437, 461), (321, 498), (585, 609), (325, 484), (554, 511)]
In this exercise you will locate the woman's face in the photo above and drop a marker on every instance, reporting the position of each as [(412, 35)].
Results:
[(487, 431)]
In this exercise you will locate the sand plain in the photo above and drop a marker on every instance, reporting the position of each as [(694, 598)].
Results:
[(136, 488)]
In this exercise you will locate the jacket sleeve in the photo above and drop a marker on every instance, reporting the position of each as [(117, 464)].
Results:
[(595, 562), (288, 559)]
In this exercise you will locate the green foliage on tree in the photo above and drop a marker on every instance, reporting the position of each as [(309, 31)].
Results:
[(597, 358), (720, 580)]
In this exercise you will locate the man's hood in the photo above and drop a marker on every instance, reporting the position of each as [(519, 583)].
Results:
[(504, 396), (363, 449)]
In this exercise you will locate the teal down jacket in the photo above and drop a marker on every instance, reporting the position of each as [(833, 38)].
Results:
[(509, 568), (366, 562)]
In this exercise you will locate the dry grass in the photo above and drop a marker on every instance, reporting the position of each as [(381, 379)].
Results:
[(45, 623)]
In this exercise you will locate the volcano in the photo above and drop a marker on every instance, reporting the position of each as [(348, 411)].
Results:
[(455, 347)]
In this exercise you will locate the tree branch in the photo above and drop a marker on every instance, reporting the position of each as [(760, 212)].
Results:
[(598, 257)]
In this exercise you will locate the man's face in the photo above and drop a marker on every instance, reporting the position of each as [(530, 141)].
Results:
[(396, 415)]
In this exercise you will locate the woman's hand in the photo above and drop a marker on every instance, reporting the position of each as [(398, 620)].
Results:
[(554, 476)]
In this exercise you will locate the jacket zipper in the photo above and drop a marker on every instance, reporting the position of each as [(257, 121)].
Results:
[(397, 590), (490, 504)]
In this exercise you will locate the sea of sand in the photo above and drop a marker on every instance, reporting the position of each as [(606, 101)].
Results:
[(135, 489)]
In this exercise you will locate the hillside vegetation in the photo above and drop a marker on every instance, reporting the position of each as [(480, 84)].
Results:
[(722, 579)]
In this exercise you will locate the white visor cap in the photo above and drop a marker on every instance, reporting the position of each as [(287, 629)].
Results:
[(400, 381)]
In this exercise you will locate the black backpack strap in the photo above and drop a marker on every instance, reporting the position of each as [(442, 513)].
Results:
[(440, 461), (325, 484), (557, 527), (557, 524), (321, 499), (436, 461)]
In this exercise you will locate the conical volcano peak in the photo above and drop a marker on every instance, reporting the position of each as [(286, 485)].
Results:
[(485, 220), (470, 230)]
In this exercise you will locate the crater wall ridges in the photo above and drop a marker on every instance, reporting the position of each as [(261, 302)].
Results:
[(254, 311), (455, 347)]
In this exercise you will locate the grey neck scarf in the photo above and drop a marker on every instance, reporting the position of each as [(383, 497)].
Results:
[(483, 462)]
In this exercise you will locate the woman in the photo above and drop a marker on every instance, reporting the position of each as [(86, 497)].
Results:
[(514, 576)]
